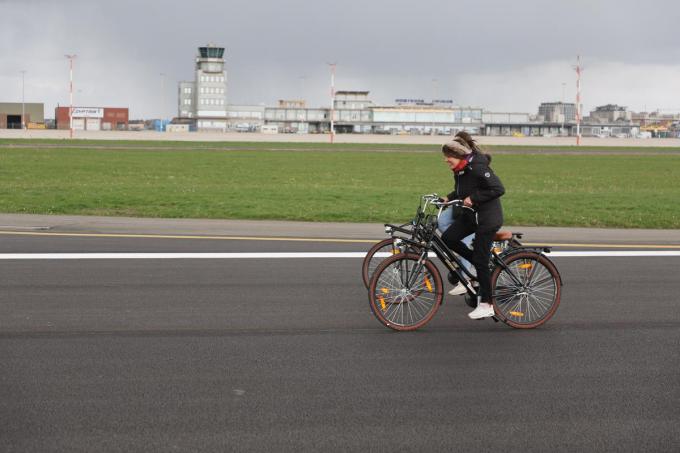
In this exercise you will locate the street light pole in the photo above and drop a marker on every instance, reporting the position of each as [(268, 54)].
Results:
[(434, 95), (162, 100), (563, 108), (70, 110), (332, 65), (23, 105)]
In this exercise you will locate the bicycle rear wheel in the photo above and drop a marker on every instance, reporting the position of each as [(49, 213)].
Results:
[(404, 293), (371, 261), (527, 293)]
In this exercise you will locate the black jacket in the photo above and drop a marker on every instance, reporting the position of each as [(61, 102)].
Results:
[(478, 181)]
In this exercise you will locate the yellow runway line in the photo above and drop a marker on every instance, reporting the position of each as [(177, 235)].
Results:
[(165, 236), (295, 239)]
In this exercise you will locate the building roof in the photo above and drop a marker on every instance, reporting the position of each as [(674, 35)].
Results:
[(609, 108)]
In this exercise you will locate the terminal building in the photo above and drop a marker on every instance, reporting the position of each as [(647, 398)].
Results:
[(293, 116), (426, 119), (354, 112), (202, 105)]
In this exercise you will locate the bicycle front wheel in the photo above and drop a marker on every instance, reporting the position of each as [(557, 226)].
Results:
[(404, 292), (376, 255), (527, 293)]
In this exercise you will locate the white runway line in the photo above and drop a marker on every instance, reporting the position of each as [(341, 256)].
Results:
[(610, 253), (615, 253), (289, 255), (166, 256)]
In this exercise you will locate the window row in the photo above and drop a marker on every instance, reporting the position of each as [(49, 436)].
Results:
[(233, 114), (211, 90), (212, 102), (205, 78)]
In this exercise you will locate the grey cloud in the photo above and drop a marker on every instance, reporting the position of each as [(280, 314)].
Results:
[(393, 48)]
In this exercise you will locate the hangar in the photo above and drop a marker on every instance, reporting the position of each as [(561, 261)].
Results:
[(10, 114)]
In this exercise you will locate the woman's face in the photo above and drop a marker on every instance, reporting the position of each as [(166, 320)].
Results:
[(451, 162)]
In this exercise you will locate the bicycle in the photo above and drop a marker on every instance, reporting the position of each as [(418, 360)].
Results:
[(406, 289), (386, 248)]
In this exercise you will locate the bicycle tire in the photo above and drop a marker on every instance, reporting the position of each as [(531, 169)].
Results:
[(371, 262), (536, 301), (398, 306)]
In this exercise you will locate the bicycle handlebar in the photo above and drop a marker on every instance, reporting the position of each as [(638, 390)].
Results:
[(438, 202)]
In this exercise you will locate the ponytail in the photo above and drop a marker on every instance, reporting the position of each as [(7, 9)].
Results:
[(472, 144)]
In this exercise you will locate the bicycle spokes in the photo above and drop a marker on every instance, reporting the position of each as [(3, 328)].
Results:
[(526, 290), (405, 292)]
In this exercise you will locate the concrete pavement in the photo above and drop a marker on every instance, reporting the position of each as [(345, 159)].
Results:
[(339, 138), (262, 228)]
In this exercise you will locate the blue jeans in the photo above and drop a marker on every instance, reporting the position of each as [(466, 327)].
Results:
[(445, 221)]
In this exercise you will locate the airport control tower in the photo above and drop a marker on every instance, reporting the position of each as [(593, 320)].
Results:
[(205, 98)]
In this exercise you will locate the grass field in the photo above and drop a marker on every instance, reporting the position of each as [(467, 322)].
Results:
[(189, 181)]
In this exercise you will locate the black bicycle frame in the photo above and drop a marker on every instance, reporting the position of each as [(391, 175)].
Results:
[(446, 256), (399, 229), (423, 237), (454, 264)]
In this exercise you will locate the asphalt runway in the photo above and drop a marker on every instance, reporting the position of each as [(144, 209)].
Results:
[(284, 355)]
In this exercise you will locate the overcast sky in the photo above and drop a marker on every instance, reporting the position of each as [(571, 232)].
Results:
[(500, 55)]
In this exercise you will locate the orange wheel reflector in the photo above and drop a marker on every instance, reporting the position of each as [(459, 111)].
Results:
[(385, 290), (396, 251), (382, 303), (526, 266), (428, 284), (497, 249), (518, 314)]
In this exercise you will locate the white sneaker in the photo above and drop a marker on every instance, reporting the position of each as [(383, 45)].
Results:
[(458, 290), (483, 310)]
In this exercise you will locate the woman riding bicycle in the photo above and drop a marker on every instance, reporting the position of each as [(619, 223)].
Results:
[(479, 188)]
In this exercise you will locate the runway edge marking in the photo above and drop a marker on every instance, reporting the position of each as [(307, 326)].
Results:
[(321, 240), (287, 255)]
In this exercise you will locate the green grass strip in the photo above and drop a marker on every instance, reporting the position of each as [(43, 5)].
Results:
[(629, 191)]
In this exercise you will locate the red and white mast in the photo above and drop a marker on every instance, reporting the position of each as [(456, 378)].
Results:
[(578, 100), (70, 110), (332, 65)]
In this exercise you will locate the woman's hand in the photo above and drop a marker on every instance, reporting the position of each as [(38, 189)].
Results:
[(445, 199), (468, 202)]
